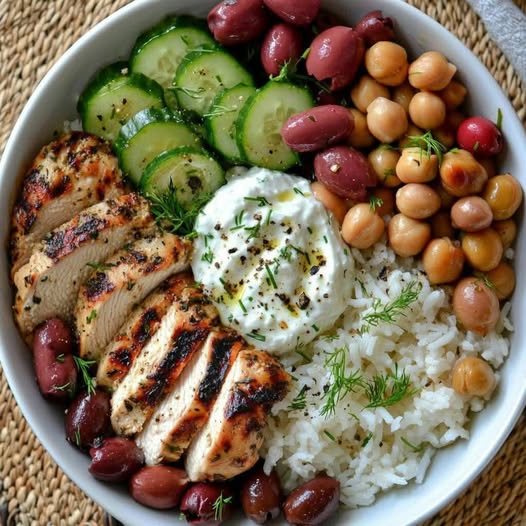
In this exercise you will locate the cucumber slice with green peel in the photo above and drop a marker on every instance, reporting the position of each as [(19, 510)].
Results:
[(220, 122), (148, 134), (192, 173), (113, 97), (159, 51), (261, 119), (204, 74)]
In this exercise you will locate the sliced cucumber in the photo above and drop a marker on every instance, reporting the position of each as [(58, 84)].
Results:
[(159, 51), (192, 173), (113, 97), (261, 119), (148, 134), (221, 120), (203, 74)]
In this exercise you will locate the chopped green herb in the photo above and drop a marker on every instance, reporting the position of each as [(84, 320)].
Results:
[(261, 201), (298, 191), (267, 220), (256, 336), (83, 367), (499, 119), (428, 144), (299, 402), (416, 449), (389, 312), (375, 202), (100, 267), (315, 327), (340, 384), (238, 221), (330, 436), (253, 230), (389, 172), (242, 306), (476, 146), (92, 316), (226, 287), (77, 437), (483, 277), (219, 506), (366, 440), (385, 390), (208, 256), (271, 277)]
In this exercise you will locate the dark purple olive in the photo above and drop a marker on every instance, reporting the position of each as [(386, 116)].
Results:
[(235, 22), (207, 503), (297, 12), (87, 420), (282, 43), (116, 460), (345, 172), (335, 55), (260, 495), (317, 128), (373, 27), (159, 487), (313, 503)]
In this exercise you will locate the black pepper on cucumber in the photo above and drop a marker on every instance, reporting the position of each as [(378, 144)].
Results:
[(148, 134), (113, 97)]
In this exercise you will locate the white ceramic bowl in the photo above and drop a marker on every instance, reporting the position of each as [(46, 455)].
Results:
[(54, 101)]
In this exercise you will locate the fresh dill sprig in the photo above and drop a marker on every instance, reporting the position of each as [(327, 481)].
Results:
[(340, 384), (384, 390), (416, 449), (238, 221), (300, 349), (260, 200), (299, 402), (366, 440), (375, 202), (83, 367), (389, 312), (499, 119), (428, 143), (253, 231), (484, 278), (219, 506), (256, 336), (271, 278), (171, 215), (329, 435)]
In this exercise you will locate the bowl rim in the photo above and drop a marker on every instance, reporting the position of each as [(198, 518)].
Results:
[(16, 382)]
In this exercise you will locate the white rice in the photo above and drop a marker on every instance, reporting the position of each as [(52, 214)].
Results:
[(372, 450)]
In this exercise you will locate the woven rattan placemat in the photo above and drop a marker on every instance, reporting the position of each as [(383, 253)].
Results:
[(33, 490)]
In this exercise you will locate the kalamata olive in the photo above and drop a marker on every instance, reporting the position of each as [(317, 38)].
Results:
[(297, 12), (479, 136), (55, 368), (336, 54), (317, 128), (87, 420), (473, 376), (374, 27), (116, 460), (475, 305), (159, 487), (237, 22), (282, 43), (260, 495), (197, 503), (471, 214), (461, 174), (345, 172), (313, 502)]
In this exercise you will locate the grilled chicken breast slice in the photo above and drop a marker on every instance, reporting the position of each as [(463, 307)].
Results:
[(229, 442), (185, 410), (182, 332), (107, 297), (67, 176), (48, 285), (136, 332)]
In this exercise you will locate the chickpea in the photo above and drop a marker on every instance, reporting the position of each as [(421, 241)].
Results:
[(360, 137), (447, 200), (453, 95), (483, 249), (461, 174), (418, 201), (416, 166), (445, 134), (489, 166), (386, 119), (383, 162), (403, 94), (473, 376), (388, 201), (441, 225), (330, 201), (362, 227), (471, 214), (366, 90), (443, 260), (427, 110), (507, 230), (502, 277), (387, 63), (431, 71), (407, 236), (412, 131), (475, 305), (504, 195)]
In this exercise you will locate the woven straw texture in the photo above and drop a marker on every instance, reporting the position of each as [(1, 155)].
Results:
[(33, 490)]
